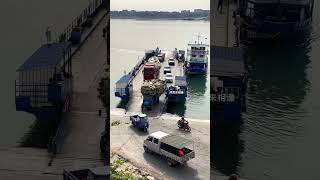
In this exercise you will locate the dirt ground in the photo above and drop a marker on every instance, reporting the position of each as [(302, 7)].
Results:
[(128, 142)]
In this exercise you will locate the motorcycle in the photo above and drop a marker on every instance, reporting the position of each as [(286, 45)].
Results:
[(184, 125)]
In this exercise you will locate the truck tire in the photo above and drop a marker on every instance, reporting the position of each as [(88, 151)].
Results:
[(171, 162), (146, 149)]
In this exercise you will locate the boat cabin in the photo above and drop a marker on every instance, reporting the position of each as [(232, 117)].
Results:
[(197, 61)]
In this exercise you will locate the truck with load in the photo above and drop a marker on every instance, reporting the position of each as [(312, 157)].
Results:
[(151, 91), (173, 147), (151, 69)]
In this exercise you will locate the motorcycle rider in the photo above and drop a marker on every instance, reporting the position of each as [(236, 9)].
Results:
[(183, 121)]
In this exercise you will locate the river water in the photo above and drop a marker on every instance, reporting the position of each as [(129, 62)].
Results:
[(21, 33), (279, 136), (130, 39)]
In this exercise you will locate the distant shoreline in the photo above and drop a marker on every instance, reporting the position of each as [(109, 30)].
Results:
[(185, 15), (170, 19)]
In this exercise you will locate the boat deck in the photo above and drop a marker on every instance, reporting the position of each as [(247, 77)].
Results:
[(136, 99)]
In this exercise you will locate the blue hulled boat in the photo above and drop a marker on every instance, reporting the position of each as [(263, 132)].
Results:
[(177, 92)]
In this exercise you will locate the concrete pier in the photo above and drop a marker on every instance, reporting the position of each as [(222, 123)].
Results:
[(83, 124), (135, 102), (80, 136)]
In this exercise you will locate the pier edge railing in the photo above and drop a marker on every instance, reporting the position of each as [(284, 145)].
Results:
[(82, 20), (55, 144)]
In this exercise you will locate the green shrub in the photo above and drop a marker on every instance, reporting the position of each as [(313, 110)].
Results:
[(115, 123)]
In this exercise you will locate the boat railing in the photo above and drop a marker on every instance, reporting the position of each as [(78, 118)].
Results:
[(198, 52), (36, 93), (198, 59), (80, 20)]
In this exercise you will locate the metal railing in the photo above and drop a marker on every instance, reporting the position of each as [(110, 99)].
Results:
[(38, 93), (80, 20)]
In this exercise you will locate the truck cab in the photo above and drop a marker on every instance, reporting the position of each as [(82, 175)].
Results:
[(173, 147), (149, 101), (150, 72)]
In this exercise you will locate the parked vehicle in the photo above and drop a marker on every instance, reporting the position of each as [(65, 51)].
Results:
[(171, 62), (140, 121), (173, 147), (151, 91), (150, 71), (161, 57), (181, 56), (166, 69), (149, 100), (169, 78)]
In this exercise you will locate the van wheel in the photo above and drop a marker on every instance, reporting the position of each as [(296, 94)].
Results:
[(146, 149), (171, 162)]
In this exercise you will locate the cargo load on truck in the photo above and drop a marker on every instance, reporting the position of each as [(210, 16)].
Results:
[(151, 91), (153, 87)]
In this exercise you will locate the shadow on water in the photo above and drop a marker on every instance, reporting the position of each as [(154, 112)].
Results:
[(178, 109), (226, 150), (277, 87), (196, 85), (39, 134), (279, 72)]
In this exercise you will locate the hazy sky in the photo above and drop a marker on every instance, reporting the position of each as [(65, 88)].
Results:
[(159, 5)]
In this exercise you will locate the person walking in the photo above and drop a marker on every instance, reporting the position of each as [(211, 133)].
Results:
[(220, 5)]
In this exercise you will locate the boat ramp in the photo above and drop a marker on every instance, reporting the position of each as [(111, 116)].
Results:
[(135, 79)]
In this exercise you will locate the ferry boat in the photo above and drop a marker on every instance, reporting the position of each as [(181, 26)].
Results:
[(228, 86), (197, 58), (178, 91), (275, 19)]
